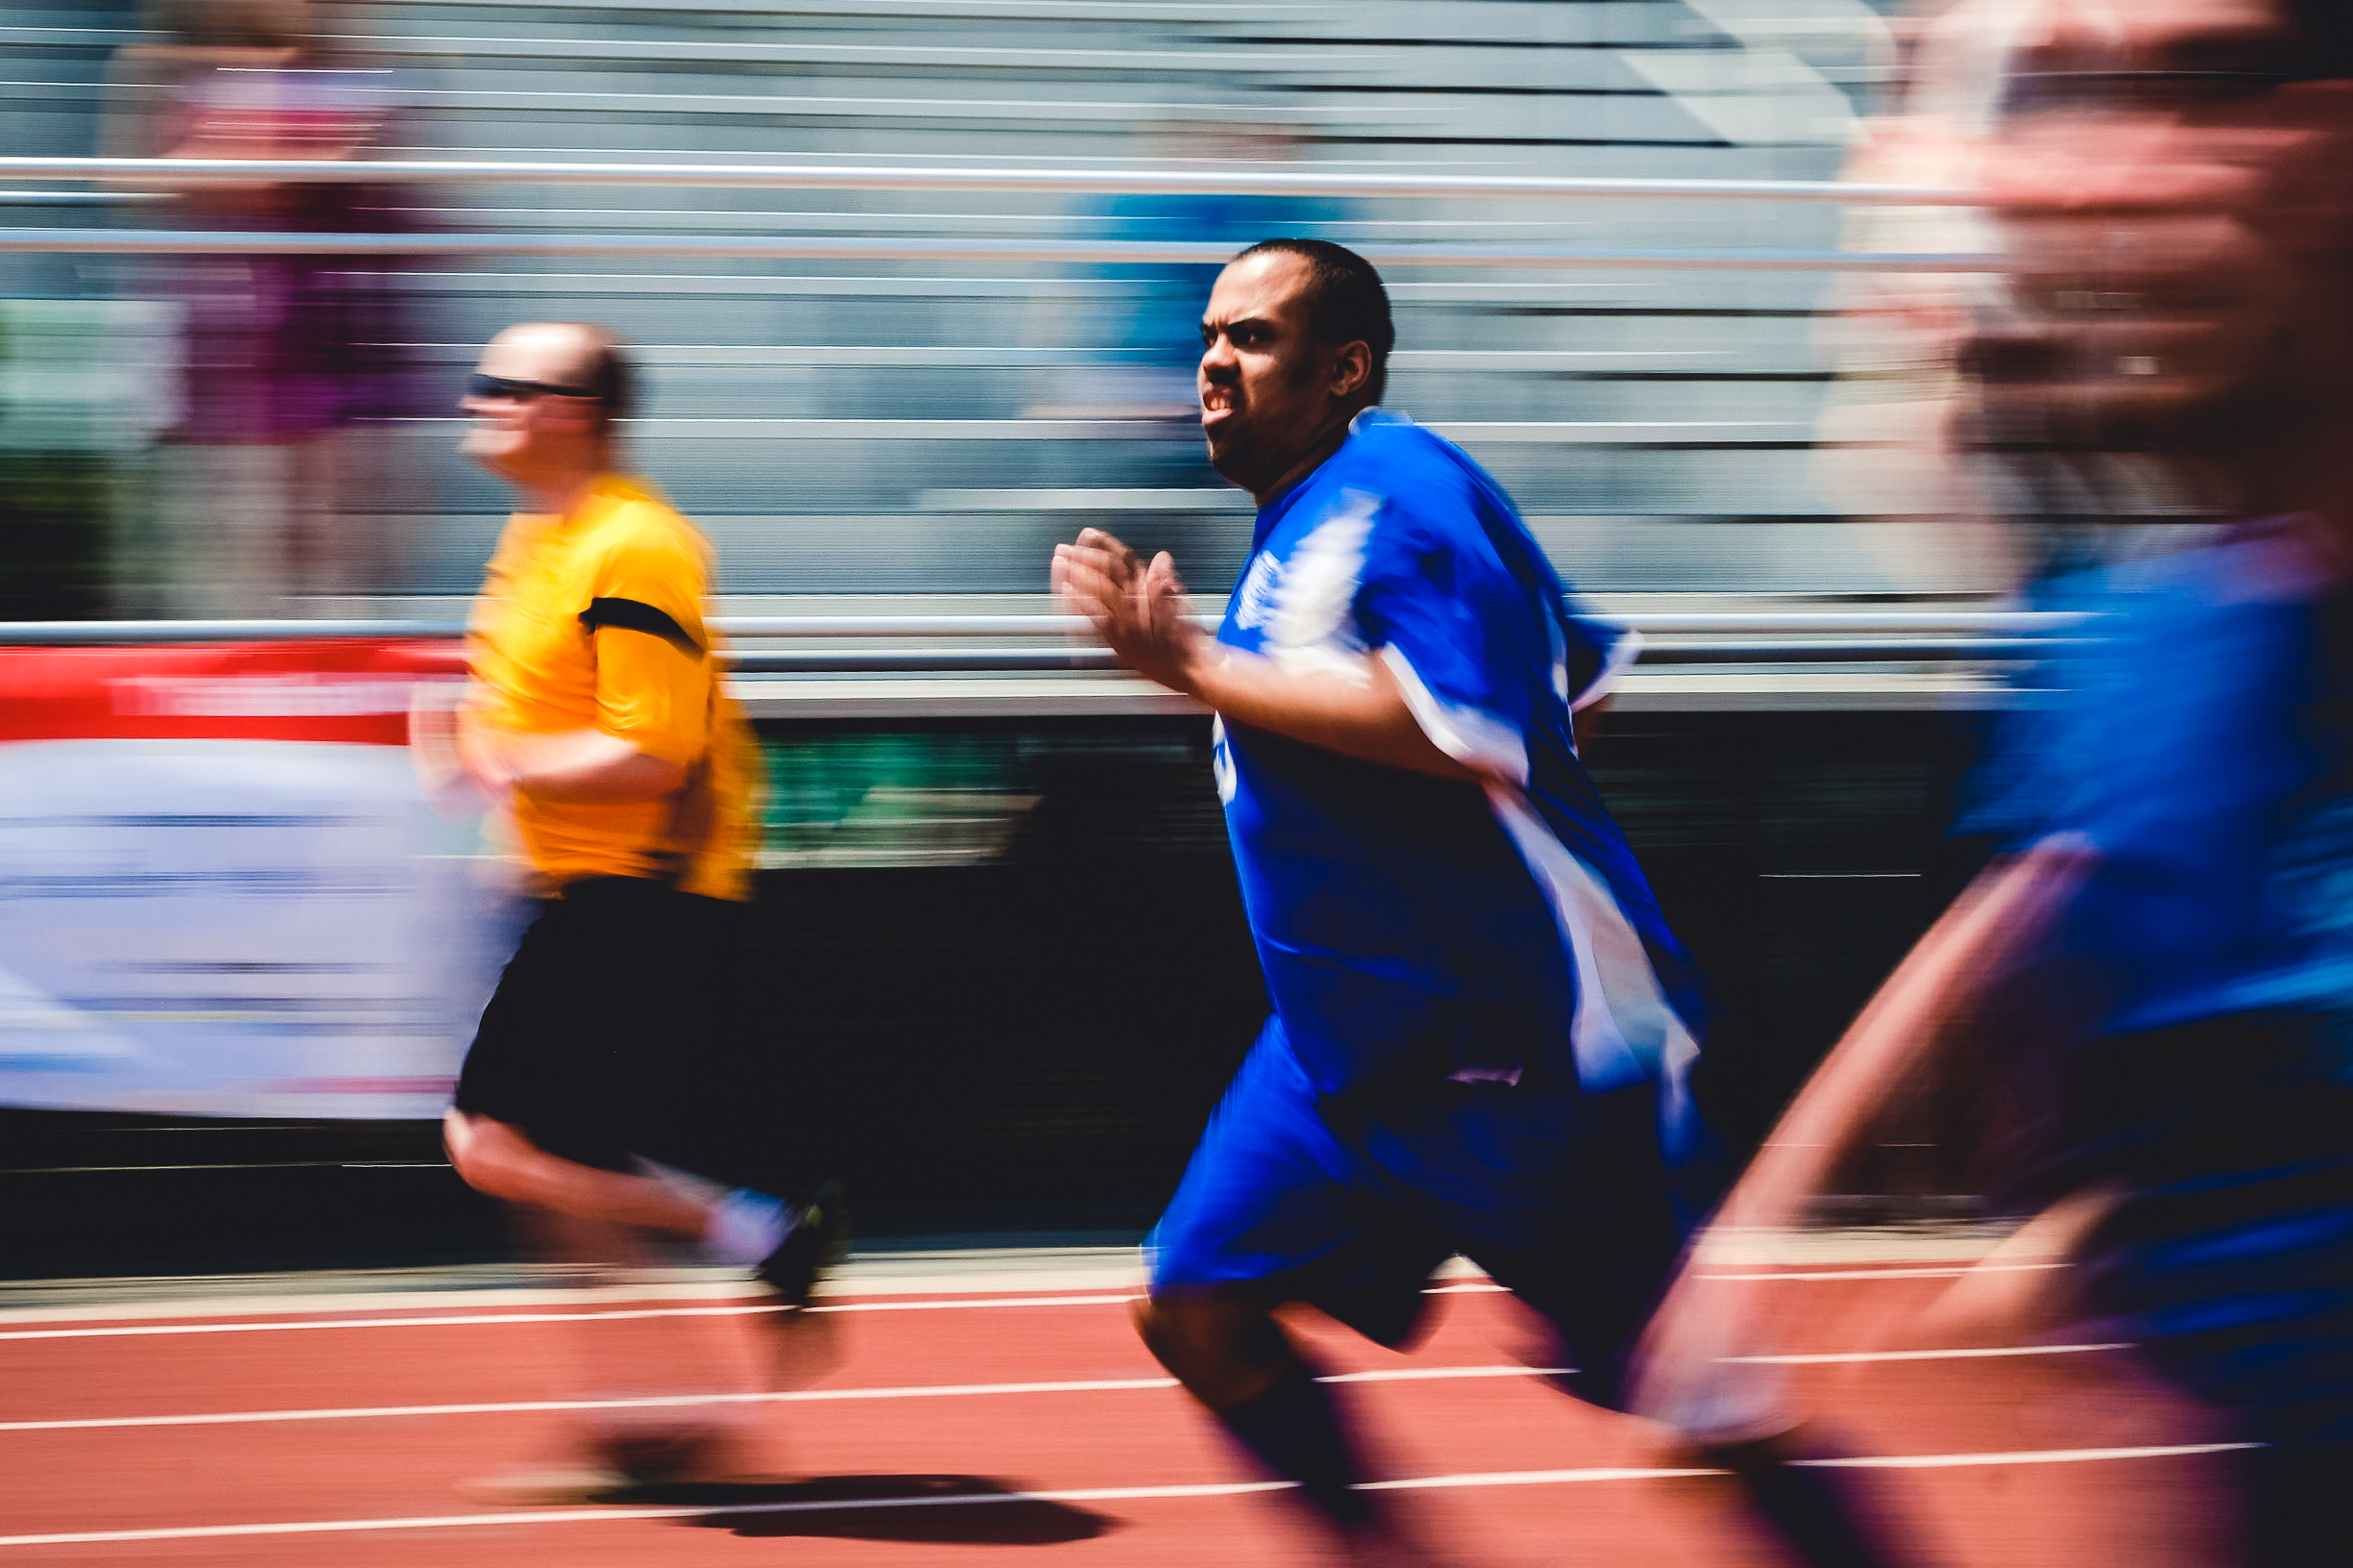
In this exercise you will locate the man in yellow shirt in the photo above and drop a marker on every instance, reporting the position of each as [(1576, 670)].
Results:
[(598, 718)]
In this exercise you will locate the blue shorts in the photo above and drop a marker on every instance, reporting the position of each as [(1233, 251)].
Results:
[(1347, 1203)]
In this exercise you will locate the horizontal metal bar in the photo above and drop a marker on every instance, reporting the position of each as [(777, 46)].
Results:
[(916, 661), (961, 642), (1061, 182), (1952, 623), (121, 633), (884, 698), (1852, 623), (1019, 252), (1704, 433), (1843, 650), (1964, 622), (1754, 651)]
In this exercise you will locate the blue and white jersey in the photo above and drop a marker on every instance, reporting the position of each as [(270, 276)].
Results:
[(1414, 928)]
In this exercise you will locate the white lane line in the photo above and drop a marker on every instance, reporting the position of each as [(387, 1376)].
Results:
[(2042, 1455), (364, 1412), (476, 1319), (1924, 1355), (1102, 1494), (577, 1516), (1528, 1478), (1415, 1374), (1887, 1274), (984, 1301)]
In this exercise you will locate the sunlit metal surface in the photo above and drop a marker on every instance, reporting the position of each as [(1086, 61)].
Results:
[(1058, 182)]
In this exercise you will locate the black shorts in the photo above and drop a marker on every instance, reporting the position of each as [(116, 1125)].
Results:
[(620, 1027)]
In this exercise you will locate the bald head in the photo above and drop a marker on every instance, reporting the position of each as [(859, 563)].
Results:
[(543, 404), (574, 354)]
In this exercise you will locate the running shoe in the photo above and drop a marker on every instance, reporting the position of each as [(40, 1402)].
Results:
[(620, 1468), (821, 1235)]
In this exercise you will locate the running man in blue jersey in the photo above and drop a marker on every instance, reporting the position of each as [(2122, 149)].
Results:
[(1482, 1026)]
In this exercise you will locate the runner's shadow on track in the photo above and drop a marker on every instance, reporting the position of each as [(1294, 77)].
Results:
[(946, 1510)]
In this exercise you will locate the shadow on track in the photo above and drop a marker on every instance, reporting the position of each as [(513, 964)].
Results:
[(941, 1509)]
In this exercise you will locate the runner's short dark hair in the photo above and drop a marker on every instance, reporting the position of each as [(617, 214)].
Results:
[(1345, 302), (609, 373)]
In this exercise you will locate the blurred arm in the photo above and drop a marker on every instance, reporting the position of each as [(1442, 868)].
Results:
[(1923, 1008), (1988, 931), (587, 767), (1351, 706)]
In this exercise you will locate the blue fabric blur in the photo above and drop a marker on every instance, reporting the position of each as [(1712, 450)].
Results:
[(2201, 742), (1412, 929)]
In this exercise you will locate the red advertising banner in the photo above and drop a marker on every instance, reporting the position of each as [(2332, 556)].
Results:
[(222, 892)]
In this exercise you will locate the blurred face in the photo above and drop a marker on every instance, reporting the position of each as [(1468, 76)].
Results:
[(2175, 203), (1271, 395), (531, 436)]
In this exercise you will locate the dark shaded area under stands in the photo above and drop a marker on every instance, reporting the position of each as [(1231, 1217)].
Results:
[(1028, 1045)]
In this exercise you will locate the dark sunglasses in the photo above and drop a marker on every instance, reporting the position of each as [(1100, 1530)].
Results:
[(478, 384), (2163, 93)]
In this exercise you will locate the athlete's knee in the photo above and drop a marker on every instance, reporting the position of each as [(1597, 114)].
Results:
[(1226, 1349)]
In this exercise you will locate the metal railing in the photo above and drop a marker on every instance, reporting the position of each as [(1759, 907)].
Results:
[(1066, 252), (1027, 252), (1012, 643), (1044, 181)]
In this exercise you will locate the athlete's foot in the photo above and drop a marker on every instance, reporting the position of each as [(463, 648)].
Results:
[(805, 1342), (553, 1484), (1386, 1546), (1385, 1535), (621, 1467), (817, 1235), (1825, 1516)]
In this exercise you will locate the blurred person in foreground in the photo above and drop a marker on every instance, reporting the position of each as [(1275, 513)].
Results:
[(2163, 970), (610, 1063), (1482, 1026)]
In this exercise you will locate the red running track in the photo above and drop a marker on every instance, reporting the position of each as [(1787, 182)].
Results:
[(961, 1425)]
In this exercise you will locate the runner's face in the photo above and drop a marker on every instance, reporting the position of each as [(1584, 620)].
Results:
[(2171, 202), (1266, 401), (524, 439)]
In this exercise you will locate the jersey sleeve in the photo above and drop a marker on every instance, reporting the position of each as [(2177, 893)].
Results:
[(1594, 655), (1474, 650), (653, 655)]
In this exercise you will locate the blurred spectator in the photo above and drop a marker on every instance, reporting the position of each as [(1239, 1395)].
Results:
[(283, 356)]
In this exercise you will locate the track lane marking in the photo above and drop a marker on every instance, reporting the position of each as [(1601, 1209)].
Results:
[(1939, 1273), (121, 1330), (1100, 1494), (2039, 1456), (476, 1319), (1827, 1358), (367, 1412)]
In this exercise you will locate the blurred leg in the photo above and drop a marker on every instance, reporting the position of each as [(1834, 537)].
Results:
[(1227, 1350)]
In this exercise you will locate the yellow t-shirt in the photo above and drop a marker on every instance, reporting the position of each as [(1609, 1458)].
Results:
[(595, 620)]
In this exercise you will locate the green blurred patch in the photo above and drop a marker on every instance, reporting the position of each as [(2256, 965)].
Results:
[(55, 535), (893, 798)]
